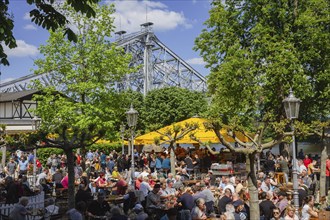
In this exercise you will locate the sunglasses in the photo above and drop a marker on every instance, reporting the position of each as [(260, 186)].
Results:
[(276, 212)]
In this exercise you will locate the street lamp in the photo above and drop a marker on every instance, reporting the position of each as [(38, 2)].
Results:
[(132, 116), (122, 136), (36, 121), (291, 106)]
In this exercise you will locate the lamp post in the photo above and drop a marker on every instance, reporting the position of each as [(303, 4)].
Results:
[(132, 116), (35, 126), (291, 106), (122, 136)]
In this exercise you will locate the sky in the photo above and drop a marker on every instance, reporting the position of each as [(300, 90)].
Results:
[(176, 23)]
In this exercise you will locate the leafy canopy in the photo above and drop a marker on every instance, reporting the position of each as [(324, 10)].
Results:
[(84, 74), (257, 50)]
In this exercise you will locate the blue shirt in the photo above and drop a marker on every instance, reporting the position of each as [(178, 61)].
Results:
[(158, 163), (166, 163), (23, 165)]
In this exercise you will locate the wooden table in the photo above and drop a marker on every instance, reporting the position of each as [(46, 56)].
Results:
[(115, 199), (323, 215)]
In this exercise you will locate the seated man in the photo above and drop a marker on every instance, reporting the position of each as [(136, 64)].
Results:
[(98, 207), (120, 187), (51, 208), (83, 194), (153, 198), (19, 211)]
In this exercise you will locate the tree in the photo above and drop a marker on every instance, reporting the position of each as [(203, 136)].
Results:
[(165, 106), (46, 15), (83, 105), (256, 51)]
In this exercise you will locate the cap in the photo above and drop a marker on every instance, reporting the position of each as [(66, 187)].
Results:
[(210, 171), (238, 203), (138, 207)]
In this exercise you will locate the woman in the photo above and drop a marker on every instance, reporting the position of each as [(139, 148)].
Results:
[(198, 212), (273, 181), (290, 213), (308, 210)]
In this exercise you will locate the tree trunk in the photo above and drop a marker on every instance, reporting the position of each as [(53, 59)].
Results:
[(3, 159), (172, 158), (71, 188), (252, 186), (322, 172)]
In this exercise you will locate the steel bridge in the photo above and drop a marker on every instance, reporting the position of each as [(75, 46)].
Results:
[(160, 66)]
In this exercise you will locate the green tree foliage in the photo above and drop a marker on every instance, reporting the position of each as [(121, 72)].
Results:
[(45, 14), (86, 72), (165, 106), (257, 50)]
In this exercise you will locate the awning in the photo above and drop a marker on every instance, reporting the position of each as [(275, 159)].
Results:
[(201, 133)]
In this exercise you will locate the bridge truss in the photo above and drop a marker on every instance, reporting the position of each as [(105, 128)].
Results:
[(160, 66)]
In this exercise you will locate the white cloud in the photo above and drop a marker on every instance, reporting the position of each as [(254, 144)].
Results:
[(130, 15), (196, 61), (23, 49), (27, 16), (30, 27)]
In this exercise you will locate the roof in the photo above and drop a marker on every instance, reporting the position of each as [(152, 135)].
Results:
[(14, 96)]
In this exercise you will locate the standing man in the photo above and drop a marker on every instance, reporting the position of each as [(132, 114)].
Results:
[(23, 166), (11, 167)]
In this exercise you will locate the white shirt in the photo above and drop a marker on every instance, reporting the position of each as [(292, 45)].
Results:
[(40, 177), (145, 188), (304, 212)]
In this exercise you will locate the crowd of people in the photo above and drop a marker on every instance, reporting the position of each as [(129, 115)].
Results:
[(193, 192)]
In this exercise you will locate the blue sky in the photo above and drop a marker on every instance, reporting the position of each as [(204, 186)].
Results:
[(176, 23)]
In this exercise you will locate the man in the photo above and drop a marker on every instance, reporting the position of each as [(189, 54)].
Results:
[(19, 211), (140, 214), (57, 178), (283, 163), (120, 186), (12, 194), (301, 167), (226, 199), (23, 166), (282, 201), (208, 197), (44, 175), (239, 214), (153, 198), (266, 206), (98, 207), (11, 167), (83, 194), (169, 189), (265, 185), (145, 187), (186, 199)]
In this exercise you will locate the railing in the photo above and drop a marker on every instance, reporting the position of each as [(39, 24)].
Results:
[(35, 202)]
